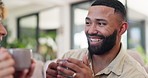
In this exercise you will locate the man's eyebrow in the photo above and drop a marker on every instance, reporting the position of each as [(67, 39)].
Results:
[(87, 18), (101, 20)]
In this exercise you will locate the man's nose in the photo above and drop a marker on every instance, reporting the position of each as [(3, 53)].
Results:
[(3, 31), (93, 30)]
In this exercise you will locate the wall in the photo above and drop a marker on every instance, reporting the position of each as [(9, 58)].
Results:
[(63, 38)]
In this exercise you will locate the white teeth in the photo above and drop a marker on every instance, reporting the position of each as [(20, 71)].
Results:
[(95, 40)]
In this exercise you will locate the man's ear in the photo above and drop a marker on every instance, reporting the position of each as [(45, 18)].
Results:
[(123, 28)]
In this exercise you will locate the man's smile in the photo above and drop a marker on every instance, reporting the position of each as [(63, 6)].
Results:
[(95, 40)]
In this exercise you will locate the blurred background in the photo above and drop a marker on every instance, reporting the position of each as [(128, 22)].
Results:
[(52, 27)]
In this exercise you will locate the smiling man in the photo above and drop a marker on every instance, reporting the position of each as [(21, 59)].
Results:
[(105, 56)]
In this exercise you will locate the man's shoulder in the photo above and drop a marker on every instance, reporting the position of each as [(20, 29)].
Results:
[(132, 67), (76, 53), (130, 61)]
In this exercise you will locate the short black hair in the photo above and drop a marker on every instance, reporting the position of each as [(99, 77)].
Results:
[(117, 5)]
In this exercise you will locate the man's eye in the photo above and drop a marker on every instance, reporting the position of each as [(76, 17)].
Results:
[(87, 23), (102, 24)]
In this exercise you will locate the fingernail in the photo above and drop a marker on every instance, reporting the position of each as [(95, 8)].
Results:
[(58, 67), (68, 59)]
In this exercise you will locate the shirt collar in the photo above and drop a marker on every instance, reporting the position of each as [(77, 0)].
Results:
[(116, 65)]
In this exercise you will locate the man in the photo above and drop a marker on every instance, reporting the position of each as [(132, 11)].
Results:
[(6, 61), (105, 56)]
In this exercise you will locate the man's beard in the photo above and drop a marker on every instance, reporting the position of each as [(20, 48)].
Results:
[(107, 44)]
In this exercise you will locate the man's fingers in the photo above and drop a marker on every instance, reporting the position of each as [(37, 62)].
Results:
[(85, 60), (65, 71), (60, 76), (70, 66), (77, 62), (49, 76), (53, 65), (51, 72)]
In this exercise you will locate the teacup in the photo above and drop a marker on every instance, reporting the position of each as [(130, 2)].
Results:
[(22, 58)]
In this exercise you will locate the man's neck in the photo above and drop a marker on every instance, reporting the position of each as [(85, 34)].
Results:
[(99, 62)]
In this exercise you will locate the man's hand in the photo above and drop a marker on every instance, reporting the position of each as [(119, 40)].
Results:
[(51, 71), (6, 64), (27, 73), (81, 69)]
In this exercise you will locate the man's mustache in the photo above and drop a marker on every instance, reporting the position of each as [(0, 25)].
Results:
[(98, 35)]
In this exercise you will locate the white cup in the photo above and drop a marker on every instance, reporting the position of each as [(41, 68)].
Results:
[(22, 58)]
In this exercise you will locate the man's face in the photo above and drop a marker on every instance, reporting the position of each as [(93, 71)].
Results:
[(101, 29), (106, 43), (3, 31)]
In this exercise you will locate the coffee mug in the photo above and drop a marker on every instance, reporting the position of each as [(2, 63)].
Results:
[(22, 58)]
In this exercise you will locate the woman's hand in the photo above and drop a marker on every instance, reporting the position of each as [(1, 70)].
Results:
[(6, 64), (27, 73)]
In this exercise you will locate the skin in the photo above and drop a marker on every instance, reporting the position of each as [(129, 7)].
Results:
[(27, 73), (7, 69), (6, 64), (110, 21), (6, 61), (100, 20), (77, 65), (3, 31)]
